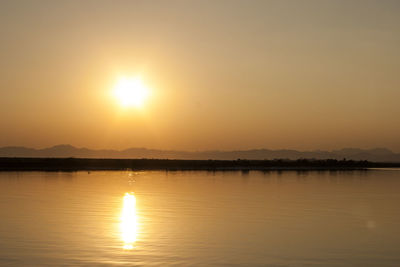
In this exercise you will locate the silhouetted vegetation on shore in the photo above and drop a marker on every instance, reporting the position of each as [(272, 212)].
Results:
[(76, 164)]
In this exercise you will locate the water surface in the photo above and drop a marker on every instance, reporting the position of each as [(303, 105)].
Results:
[(200, 218)]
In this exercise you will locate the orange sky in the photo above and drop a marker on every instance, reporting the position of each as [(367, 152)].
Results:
[(223, 74)]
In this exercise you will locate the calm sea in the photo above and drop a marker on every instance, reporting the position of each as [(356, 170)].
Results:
[(200, 218)]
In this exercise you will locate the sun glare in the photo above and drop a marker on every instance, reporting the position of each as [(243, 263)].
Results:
[(129, 221), (131, 92)]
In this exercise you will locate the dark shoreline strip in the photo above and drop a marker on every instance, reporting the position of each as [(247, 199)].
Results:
[(86, 164)]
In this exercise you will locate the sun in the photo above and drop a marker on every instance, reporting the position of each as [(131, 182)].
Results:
[(131, 92)]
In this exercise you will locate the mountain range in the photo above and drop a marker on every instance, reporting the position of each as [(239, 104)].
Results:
[(66, 151)]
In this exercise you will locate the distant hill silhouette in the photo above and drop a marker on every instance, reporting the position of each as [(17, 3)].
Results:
[(65, 151)]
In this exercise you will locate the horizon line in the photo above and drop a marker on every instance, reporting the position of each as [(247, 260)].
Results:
[(204, 150)]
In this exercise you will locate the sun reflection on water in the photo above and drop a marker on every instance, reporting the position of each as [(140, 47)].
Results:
[(129, 221)]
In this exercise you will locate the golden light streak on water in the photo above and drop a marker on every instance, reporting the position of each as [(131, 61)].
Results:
[(129, 221)]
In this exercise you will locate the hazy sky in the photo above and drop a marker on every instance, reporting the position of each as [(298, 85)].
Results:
[(223, 74)]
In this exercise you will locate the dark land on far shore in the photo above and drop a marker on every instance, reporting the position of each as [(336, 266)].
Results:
[(85, 164)]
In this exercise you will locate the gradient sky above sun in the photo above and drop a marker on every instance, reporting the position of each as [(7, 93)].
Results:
[(221, 74)]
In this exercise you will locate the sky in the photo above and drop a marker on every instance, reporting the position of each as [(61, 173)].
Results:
[(221, 75)]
